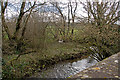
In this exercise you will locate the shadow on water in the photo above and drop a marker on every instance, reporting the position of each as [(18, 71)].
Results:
[(66, 68)]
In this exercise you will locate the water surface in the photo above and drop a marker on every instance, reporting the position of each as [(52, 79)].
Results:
[(66, 68)]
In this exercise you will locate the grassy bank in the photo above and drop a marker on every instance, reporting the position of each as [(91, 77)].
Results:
[(31, 63)]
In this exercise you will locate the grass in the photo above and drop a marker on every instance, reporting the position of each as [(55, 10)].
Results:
[(52, 50), (52, 53), (28, 64)]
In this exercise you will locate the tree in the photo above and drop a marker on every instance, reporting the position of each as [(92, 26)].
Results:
[(101, 13), (73, 14), (4, 25), (56, 4), (103, 32), (17, 41)]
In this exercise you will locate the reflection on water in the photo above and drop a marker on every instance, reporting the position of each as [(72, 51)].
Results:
[(67, 68)]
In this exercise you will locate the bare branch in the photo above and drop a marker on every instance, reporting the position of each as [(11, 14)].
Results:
[(19, 20), (3, 7)]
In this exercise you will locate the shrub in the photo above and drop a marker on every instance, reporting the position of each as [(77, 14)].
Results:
[(102, 41)]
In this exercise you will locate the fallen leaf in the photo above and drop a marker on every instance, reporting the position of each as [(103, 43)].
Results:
[(96, 68), (116, 76)]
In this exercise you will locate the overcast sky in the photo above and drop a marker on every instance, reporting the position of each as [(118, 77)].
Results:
[(80, 11), (12, 11)]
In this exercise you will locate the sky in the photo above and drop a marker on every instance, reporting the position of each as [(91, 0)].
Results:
[(80, 11), (12, 11)]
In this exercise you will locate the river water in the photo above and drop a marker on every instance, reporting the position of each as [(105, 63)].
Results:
[(66, 68)]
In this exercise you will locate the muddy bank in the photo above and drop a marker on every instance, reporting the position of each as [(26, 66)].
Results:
[(43, 64)]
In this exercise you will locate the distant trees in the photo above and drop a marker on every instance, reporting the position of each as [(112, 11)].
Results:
[(69, 19), (63, 18), (73, 14)]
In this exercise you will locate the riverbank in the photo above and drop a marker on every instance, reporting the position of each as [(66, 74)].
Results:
[(29, 64), (57, 59), (65, 69)]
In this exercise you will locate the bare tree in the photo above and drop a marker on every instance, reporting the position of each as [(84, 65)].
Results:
[(68, 27), (17, 39), (4, 25), (73, 14), (103, 32), (56, 4), (101, 13)]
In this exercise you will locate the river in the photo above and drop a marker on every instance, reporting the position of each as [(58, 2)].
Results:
[(66, 68)]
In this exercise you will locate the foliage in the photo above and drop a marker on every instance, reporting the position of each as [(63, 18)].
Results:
[(101, 40)]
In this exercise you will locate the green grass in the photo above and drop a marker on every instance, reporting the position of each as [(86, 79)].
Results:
[(52, 49), (26, 64)]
